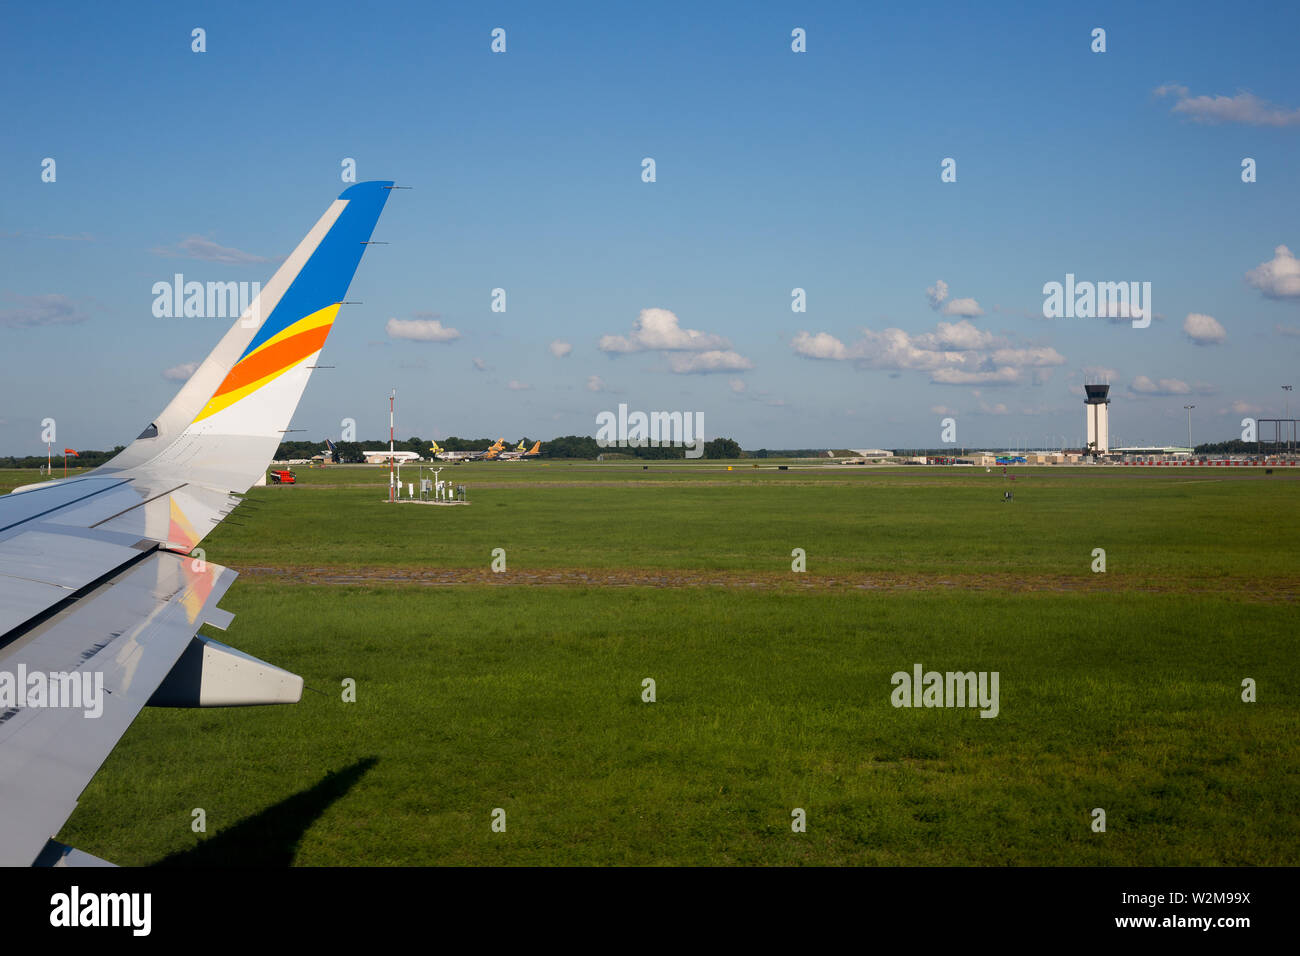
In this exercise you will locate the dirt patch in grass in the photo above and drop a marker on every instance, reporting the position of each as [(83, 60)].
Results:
[(1283, 590)]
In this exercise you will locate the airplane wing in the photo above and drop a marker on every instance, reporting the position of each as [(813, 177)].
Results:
[(100, 602)]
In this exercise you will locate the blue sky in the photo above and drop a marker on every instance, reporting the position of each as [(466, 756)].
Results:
[(775, 170)]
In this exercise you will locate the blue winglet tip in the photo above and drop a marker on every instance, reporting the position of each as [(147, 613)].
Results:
[(365, 189)]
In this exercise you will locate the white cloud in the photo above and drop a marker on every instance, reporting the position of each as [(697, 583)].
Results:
[(1166, 386), (955, 376), (688, 363), (955, 335), (596, 384), (737, 385), (941, 410), (421, 330), (1119, 312), (197, 247), (998, 408), (955, 353), (688, 350), (1203, 329), (1038, 357), (515, 386), (937, 293), (1238, 407), (180, 373), (1291, 330), (937, 296), (36, 310), (560, 348), (481, 365), (1279, 278), (823, 345), (964, 307), (1245, 108), (659, 329)]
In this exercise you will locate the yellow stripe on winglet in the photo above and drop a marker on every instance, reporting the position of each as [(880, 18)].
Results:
[(314, 321), (228, 399)]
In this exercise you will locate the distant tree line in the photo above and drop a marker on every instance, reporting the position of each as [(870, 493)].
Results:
[(350, 452), (799, 453), (566, 446), (1237, 447), (84, 459)]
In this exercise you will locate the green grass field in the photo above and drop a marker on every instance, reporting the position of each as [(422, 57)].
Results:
[(523, 690)]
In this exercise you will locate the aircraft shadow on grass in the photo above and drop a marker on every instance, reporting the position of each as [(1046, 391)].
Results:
[(271, 838)]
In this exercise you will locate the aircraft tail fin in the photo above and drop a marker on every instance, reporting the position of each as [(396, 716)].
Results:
[(227, 421)]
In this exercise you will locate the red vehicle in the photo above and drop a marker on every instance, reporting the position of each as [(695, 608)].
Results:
[(283, 477)]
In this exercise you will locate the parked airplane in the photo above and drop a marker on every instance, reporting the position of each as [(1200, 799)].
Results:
[(380, 456), (459, 456), (100, 602), (518, 453)]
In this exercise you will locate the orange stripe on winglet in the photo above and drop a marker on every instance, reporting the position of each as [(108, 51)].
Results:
[(266, 362)]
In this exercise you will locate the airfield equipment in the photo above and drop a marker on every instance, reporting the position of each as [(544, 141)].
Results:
[(1283, 431), (434, 491)]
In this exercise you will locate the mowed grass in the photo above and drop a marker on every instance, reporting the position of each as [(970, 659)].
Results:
[(1155, 527), (529, 700), (770, 698)]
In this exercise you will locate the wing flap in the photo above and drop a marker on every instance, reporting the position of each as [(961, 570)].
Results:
[(118, 643)]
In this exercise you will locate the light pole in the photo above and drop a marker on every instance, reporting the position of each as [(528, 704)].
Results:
[(1287, 389), (392, 482), (1189, 426)]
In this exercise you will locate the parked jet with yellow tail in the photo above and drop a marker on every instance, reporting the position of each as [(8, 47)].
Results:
[(459, 456), (520, 452)]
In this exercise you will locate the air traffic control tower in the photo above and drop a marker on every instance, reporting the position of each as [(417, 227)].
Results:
[(1096, 408)]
